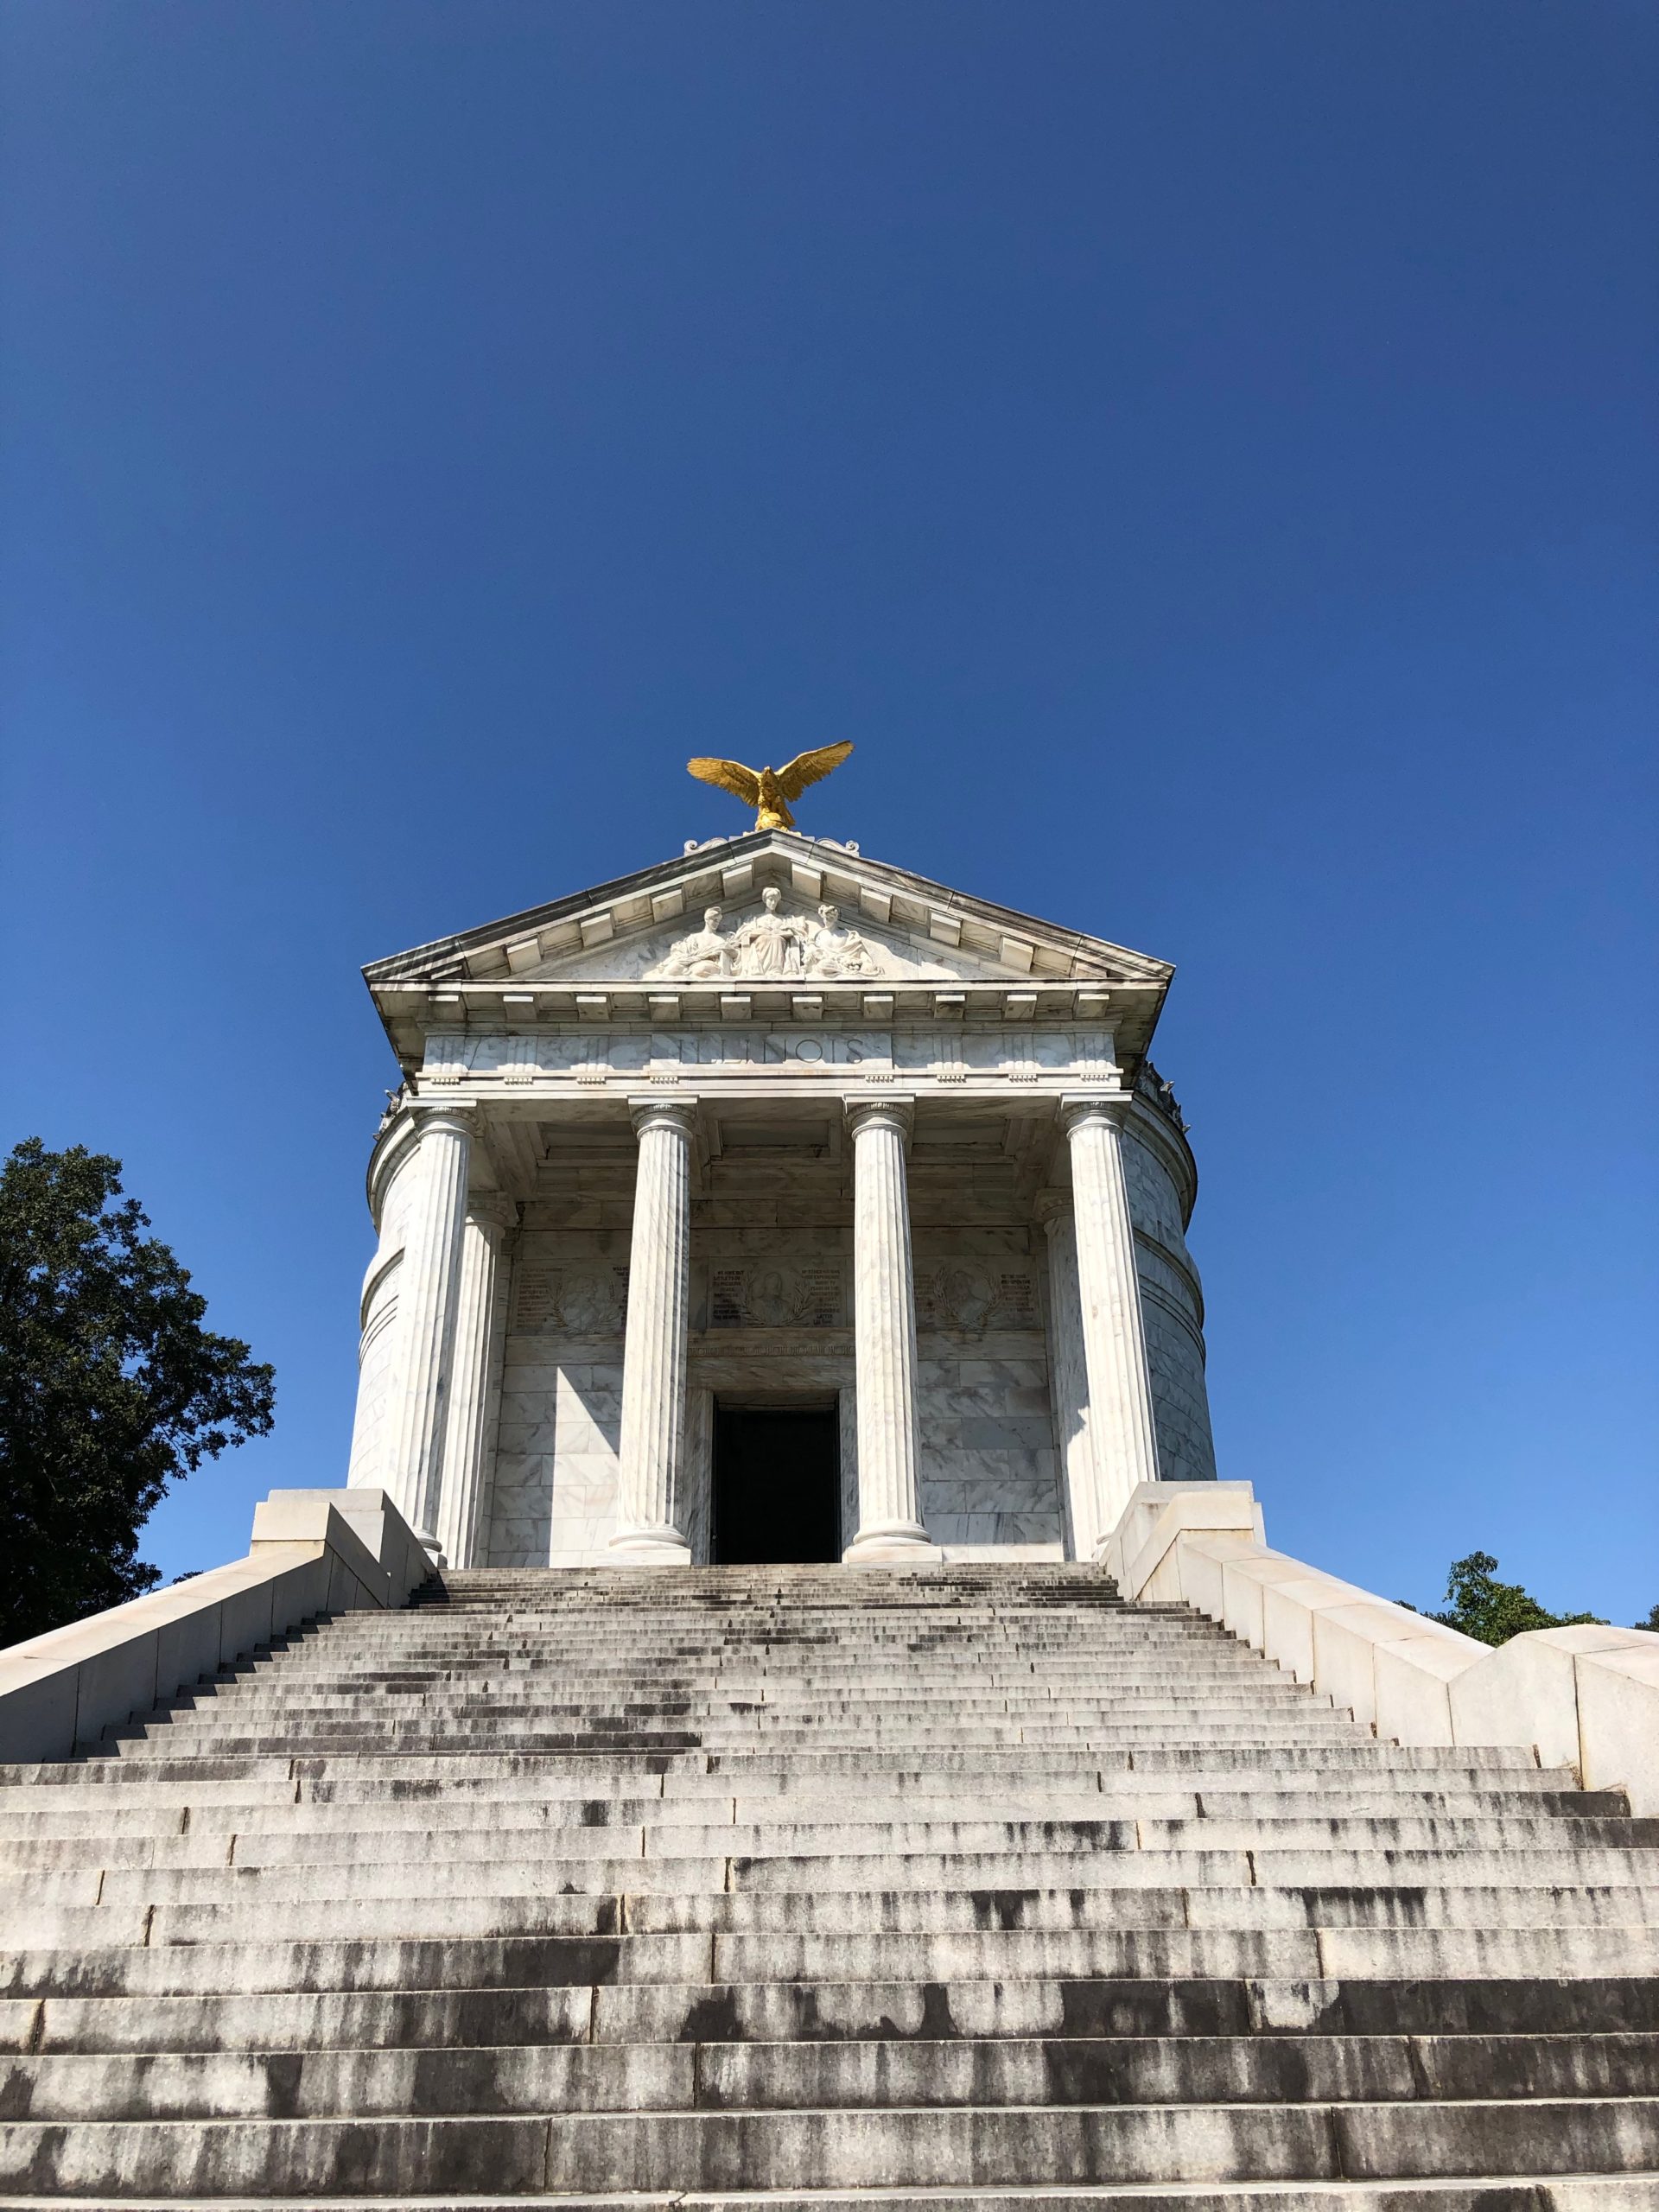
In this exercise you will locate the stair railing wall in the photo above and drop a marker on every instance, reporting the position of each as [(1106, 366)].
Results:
[(1582, 1697), (312, 1552)]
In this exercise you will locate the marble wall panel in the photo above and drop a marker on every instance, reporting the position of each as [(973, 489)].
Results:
[(989, 1471), (555, 1492)]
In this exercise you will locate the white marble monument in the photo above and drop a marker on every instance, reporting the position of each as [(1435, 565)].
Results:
[(775, 1135)]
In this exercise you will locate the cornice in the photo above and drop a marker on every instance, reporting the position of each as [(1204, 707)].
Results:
[(737, 867)]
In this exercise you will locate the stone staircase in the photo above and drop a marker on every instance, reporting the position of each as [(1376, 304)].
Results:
[(972, 1886)]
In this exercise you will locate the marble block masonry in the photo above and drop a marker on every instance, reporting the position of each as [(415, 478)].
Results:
[(774, 1128)]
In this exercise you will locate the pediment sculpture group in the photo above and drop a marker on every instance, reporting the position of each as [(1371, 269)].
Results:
[(772, 946)]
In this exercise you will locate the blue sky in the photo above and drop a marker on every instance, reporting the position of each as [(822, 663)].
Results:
[(1202, 452)]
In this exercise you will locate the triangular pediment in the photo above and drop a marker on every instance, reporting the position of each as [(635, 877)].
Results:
[(887, 923)]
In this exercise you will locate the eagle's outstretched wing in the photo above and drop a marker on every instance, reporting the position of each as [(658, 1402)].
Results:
[(811, 767), (731, 776)]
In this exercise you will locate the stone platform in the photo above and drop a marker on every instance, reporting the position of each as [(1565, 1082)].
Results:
[(963, 1886)]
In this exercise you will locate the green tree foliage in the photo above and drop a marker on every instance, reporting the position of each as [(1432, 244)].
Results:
[(1651, 1621), (109, 1386), (1493, 1611)]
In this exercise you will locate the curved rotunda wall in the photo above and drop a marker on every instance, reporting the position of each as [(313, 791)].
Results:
[(377, 1350), (1162, 1184)]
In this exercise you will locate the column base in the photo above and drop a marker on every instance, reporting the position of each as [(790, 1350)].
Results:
[(664, 1546), (892, 1543)]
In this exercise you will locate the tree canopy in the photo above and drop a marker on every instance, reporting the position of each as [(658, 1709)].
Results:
[(110, 1388), (1493, 1611)]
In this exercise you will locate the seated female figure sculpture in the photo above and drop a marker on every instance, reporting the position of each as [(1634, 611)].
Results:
[(702, 957)]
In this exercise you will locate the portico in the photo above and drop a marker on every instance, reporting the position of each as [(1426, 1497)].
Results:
[(840, 1175)]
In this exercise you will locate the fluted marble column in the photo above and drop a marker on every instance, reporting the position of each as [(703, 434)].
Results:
[(650, 1529), (1068, 1378), (884, 1337), (1122, 1441), (426, 1298), (466, 1440)]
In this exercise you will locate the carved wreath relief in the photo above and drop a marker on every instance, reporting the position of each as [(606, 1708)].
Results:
[(772, 947), (779, 1295), (963, 1295), (578, 1301)]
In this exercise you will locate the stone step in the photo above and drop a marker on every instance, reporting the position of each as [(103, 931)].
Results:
[(784, 1838), (1069, 1660), (276, 1774), (164, 1839), (401, 1732), (563, 1800), (535, 1895), (541, 1711), (831, 1632), (653, 2077), (340, 1859), (1587, 1847), (674, 1671), (818, 2149), (59, 1957), (644, 1676), (443, 2019), (1488, 2193), (228, 1906)]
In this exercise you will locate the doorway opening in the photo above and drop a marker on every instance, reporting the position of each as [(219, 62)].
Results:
[(777, 1490)]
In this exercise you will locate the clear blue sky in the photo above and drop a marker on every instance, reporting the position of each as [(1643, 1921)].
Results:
[(1203, 452)]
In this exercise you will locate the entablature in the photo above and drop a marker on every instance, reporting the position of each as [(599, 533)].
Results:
[(771, 1060), (417, 1014)]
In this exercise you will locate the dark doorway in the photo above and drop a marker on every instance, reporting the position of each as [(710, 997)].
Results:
[(777, 1485)]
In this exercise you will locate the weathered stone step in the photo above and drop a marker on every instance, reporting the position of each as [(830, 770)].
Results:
[(1291, 1723), (769, 1825), (791, 2012), (277, 1774), (234, 1906), (1356, 1751), (541, 1710), (1488, 2193), (647, 2077), (645, 1628), (563, 1800), (125, 1965), (376, 1830), (845, 2149), (338, 1861), (645, 1674)]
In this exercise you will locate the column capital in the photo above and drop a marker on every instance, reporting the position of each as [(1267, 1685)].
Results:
[(458, 1115), (659, 1113), (1082, 1109), (881, 1110), (1052, 1207), (492, 1208)]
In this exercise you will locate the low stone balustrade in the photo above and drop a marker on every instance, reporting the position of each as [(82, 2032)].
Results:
[(1581, 1697), (312, 1552)]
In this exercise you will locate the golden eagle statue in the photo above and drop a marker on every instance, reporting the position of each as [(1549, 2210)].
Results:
[(769, 791)]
